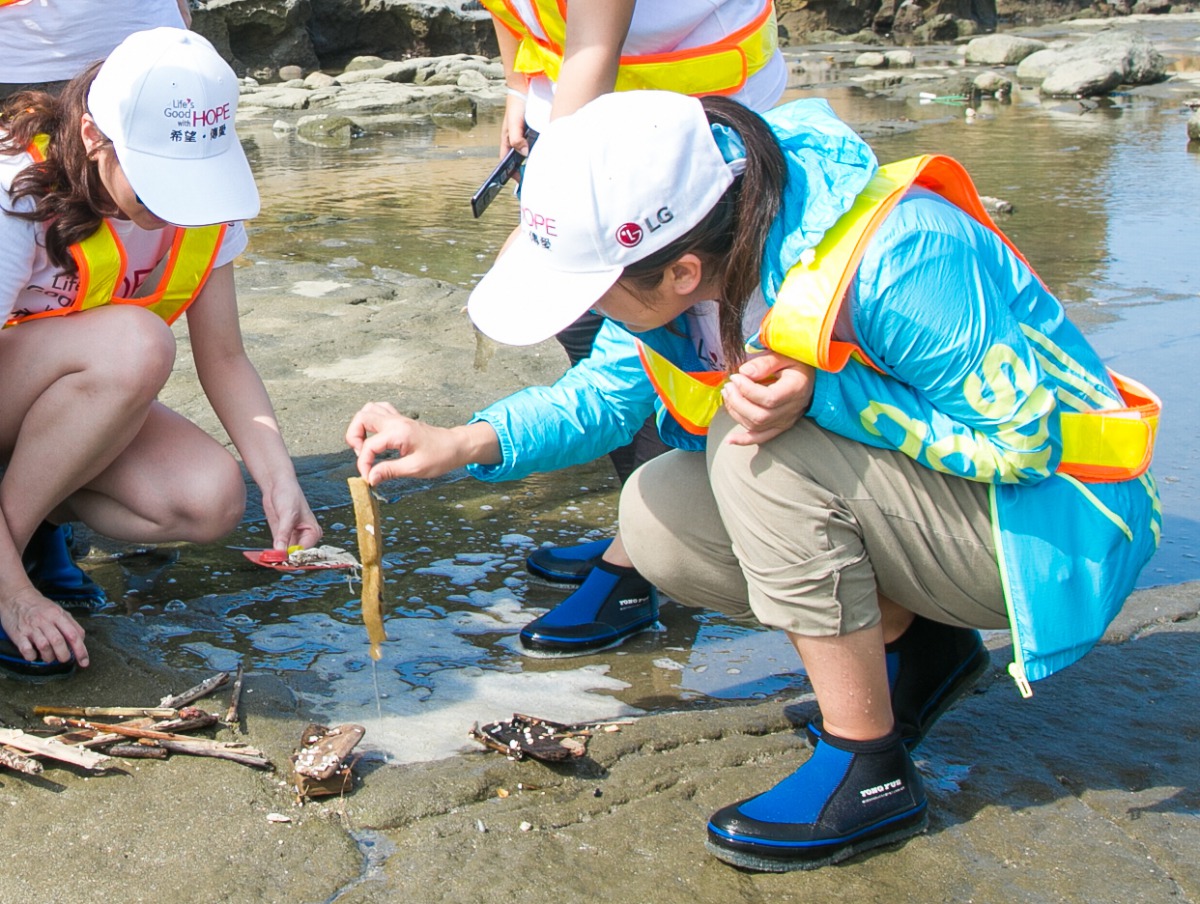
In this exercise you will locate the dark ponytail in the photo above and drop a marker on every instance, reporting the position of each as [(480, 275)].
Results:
[(730, 240), (66, 190)]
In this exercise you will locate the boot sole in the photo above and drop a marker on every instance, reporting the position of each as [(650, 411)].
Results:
[(556, 652), (748, 860)]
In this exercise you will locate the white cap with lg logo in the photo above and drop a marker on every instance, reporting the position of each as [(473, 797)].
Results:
[(619, 179), (167, 101)]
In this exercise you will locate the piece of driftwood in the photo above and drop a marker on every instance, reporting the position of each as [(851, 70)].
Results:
[(123, 712), (55, 750), (190, 719), (203, 689), (324, 749), (323, 765), (541, 739), (233, 715), (366, 516), (19, 762), (247, 756), (139, 751)]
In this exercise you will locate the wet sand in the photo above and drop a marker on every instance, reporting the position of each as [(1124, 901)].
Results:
[(1086, 792)]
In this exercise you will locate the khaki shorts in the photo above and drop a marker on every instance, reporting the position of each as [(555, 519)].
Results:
[(805, 532)]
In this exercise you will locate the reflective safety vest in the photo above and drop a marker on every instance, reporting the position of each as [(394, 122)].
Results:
[(1097, 446), (101, 263), (721, 67)]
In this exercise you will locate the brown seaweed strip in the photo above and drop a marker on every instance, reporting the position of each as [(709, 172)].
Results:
[(366, 515)]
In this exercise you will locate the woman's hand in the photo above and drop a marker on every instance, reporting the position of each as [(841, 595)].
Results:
[(424, 450), (41, 629), (512, 129), (290, 518), (767, 409)]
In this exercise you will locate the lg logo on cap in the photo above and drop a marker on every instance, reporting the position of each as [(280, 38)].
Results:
[(630, 234)]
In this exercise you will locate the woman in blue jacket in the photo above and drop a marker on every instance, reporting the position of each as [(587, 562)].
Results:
[(914, 472)]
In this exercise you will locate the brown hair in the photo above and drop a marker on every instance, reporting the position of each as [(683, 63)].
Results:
[(730, 239), (66, 189)]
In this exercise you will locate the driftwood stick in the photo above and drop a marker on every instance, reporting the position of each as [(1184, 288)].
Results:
[(49, 747), (139, 751), (189, 720), (19, 762), (247, 756), (128, 731), (125, 712), (233, 714), (203, 689)]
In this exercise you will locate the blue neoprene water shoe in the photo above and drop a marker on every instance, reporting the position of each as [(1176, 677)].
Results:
[(929, 667), (13, 663), (566, 564), (611, 605), (849, 797), (53, 572)]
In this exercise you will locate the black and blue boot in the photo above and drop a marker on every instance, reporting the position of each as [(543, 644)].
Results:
[(53, 572), (849, 797), (611, 605), (566, 564), (13, 663), (929, 667)]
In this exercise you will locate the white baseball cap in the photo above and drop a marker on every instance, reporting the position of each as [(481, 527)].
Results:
[(621, 178), (167, 101)]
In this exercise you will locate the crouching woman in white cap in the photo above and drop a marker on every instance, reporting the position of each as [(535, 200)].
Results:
[(941, 465), (121, 201)]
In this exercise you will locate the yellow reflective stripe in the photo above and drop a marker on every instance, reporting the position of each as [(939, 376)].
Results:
[(1099, 438), (191, 258), (101, 261), (800, 322), (692, 401)]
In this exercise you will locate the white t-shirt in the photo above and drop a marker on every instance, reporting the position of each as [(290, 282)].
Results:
[(705, 328), (54, 40), (659, 27), (30, 282)]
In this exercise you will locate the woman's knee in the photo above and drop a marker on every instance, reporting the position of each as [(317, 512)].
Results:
[(146, 351), (210, 501)]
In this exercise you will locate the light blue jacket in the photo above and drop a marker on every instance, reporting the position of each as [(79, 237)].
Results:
[(977, 361)]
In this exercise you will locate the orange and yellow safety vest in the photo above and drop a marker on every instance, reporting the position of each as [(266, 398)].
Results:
[(721, 67), (1097, 446), (101, 262)]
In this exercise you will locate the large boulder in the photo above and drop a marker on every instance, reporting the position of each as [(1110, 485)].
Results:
[(259, 37), (1001, 50), (396, 29)]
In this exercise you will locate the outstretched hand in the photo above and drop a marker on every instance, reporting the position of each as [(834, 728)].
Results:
[(766, 409), (424, 450)]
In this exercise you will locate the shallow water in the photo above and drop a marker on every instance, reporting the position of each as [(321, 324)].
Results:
[(1107, 203)]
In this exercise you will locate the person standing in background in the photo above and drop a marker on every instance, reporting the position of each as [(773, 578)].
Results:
[(45, 43), (556, 59)]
